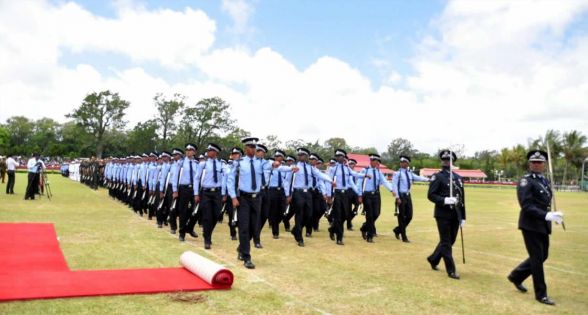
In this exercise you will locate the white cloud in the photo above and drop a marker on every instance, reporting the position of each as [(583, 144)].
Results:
[(489, 74), (240, 11)]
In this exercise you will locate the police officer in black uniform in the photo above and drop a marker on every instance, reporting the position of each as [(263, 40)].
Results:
[(534, 194), (450, 212)]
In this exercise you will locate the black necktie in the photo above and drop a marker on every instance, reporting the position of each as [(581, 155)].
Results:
[(305, 176), (313, 181), (374, 179), (279, 179), (343, 176), (262, 177), (407, 180), (253, 182), (191, 175), (214, 171)]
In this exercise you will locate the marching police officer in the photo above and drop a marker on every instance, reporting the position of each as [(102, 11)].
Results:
[(183, 190), (244, 184), (450, 212), (172, 201), (371, 196), (236, 154), (341, 174), (401, 183), (534, 194), (301, 194), (279, 190), (208, 186), (164, 190), (286, 218)]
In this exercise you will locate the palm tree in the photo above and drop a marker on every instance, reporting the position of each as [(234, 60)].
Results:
[(572, 148)]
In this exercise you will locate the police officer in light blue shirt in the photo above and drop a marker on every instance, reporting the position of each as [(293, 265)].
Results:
[(185, 192), (244, 185), (343, 181), (172, 189), (290, 160), (278, 191), (236, 154), (401, 183), (162, 182), (209, 189), (371, 196)]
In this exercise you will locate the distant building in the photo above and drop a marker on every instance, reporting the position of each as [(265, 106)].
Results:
[(468, 175)]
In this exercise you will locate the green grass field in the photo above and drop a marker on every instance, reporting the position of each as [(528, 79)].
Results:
[(388, 276)]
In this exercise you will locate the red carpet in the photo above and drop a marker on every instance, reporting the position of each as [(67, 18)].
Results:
[(33, 267)]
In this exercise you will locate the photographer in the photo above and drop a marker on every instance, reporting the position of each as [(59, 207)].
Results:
[(34, 165)]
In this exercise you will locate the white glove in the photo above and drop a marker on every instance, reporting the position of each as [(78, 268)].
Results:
[(556, 217), (450, 200), (462, 223)]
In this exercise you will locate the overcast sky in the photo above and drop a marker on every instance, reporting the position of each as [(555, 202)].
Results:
[(485, 74)]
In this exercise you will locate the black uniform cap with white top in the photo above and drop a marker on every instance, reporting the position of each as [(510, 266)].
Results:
[(144, 155), (352, 161), (191, 146), (165, 153), (279, 153), (320, 161), (177, 151), (201, 157), (261, 147), (153, 154), (340, 152), (446, 155), (236, 150), (302, 151), (314, 156), (332, 161), (375, 157), (404, 158), (290, 158), (537, 156), (213, 147), (250, 141)]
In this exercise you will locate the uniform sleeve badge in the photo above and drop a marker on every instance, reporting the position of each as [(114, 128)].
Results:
[(523, 182)]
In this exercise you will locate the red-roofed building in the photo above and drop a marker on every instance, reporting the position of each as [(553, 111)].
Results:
[(363, 161), (466, 174)]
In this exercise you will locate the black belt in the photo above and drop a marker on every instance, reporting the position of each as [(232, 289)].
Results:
[(185, 186), (246, 194), (301, 190), (404, 193), (276, 188), (211, 189), (371, 192), (340, 191)]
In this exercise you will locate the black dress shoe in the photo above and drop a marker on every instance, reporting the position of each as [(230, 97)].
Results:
[(397, 234), (207, 246), (340, 243), (249, 265), (308, 234), (370, 240), (159, 226), (182, 238), (172, 231), (350, 228), (364, 234), (239, 256), (288, 229), (331, 234), (233, 238), (453, 275), (519, 286), (276, 237), (433, 266), (258, 245), (406, 240), (193, 234), (546, 300), (301, 243)]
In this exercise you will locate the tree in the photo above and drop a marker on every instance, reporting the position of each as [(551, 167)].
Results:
[(143, 138), (272, 142), (398, 147), (168, 110), (21, 131), (45, 136), (4, 140), (98, 113), (206, 119), (336, 143), (572, 148)]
